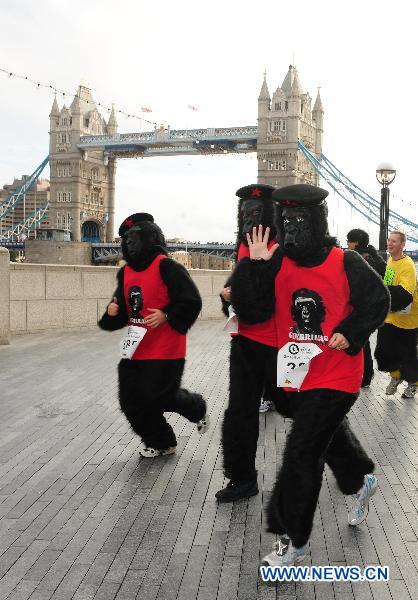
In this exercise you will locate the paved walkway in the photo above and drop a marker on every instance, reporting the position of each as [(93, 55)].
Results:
[(83, 516)]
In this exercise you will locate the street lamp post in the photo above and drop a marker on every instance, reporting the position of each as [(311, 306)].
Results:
[(385, 174)]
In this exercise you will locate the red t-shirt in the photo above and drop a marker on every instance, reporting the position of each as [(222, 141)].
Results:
[(310, 303), (143, 290)]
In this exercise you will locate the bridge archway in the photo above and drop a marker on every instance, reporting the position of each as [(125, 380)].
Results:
[(90, 232)]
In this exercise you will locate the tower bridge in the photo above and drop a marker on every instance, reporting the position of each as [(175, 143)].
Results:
[(84, 149), (103, 253), (166, 142)]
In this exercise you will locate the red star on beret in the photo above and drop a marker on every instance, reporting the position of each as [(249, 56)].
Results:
[(289, 203), (129, 222), (255, 193)]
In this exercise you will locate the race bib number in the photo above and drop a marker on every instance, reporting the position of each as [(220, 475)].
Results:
[(129, 343), (293, 363), (231, 326)]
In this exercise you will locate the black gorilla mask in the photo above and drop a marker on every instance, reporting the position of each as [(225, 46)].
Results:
[(251, 214), (133, 242), (142, 243), (298, 237), (303, 232)]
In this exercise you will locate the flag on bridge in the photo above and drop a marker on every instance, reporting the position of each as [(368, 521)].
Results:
[(192, 107), (146, 109)]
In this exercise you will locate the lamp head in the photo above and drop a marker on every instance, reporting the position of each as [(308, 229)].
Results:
[(385, 173)]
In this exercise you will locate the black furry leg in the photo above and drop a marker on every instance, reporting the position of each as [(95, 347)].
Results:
[(368, 364), (249, 362), (189, 405), (318, 413), (347, 459), (387, 351), (146, 388)]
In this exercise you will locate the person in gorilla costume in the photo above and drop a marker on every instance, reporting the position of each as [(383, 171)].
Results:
[(252, 345), (156, 297), (324, 368)]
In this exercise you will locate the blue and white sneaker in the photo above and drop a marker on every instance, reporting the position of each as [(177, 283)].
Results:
[(284, 554), (360, 508)]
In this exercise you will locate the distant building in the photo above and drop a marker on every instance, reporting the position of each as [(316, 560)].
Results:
[(211, 261), (37, 196), (182, 257)]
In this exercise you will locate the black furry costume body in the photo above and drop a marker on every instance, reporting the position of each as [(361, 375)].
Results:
[(320, 431), (148, 388), (251, 364)]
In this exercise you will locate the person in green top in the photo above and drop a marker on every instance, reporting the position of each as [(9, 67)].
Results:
[(396, 348)]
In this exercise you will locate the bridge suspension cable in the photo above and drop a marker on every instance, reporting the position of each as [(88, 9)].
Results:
[(357, 198), (11, 201), (30, 221), (24, 226)]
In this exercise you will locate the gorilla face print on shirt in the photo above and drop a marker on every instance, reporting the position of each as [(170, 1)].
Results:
[(308, 312), (136, 303)]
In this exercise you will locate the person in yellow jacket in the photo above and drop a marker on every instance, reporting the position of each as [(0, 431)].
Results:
[(396, 349)]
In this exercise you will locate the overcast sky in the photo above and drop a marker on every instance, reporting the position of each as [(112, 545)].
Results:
[(167, 55)]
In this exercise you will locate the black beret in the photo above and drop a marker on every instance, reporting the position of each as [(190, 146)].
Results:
[(300, 195), (133, 220), (255, 191)]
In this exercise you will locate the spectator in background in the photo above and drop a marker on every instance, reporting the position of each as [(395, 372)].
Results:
[(396, 348), (358, 240)]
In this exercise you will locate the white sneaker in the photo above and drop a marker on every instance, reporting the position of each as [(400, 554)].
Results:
[(409, 391), (266, 405), (360, 508), (153, 452), (393, 385), (284, 553), (203, 424)]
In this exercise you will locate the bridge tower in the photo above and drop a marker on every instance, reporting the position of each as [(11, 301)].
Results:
[(283, 120), (82, 194)]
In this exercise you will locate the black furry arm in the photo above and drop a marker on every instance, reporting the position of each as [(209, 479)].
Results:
[(112, 323), (399, 297), (185, 302), (252, 288), (373, 258), (224, 303), (369, 299)]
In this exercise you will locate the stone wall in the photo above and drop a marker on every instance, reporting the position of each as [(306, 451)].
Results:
[(43, 297), (4, 297), (64, 253)]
